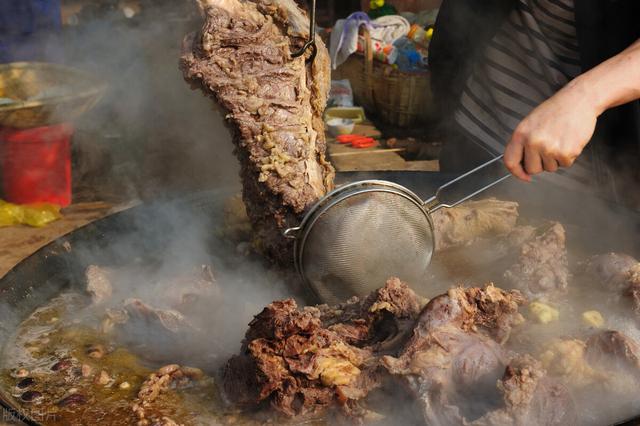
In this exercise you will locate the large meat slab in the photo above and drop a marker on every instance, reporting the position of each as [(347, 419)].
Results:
[(273, 103)]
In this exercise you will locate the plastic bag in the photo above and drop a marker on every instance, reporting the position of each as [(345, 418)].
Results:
[(36, 215), (10, 214), (341, 94)]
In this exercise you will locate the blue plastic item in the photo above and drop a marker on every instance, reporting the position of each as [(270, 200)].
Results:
[(26, 29), (409, 59)]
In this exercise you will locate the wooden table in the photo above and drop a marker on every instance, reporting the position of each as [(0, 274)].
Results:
[(19, 242), (376, 159)]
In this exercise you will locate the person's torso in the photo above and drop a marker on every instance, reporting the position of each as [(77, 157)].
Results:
[(531, 57)]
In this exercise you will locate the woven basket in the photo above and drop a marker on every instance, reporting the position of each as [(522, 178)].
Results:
[(78, 92), (399, 98)]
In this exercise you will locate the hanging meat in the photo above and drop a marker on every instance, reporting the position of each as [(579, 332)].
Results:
[(273, 103)]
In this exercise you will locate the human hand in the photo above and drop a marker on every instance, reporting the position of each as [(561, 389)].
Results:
[(553, 135)]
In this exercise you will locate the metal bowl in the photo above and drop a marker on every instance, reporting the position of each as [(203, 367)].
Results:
[(45, 94)]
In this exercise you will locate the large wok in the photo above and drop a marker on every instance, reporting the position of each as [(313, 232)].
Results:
[(145, 230)]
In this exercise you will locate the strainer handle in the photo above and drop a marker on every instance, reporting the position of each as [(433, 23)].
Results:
[(473, 183)]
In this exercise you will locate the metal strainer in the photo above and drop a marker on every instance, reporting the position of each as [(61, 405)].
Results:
[(359, 235)]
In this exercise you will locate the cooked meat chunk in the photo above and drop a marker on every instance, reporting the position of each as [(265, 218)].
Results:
[(166, 319), (170, 322), (453, 358), (617, 357), (380, 319), (619, 274), (613, 270), (604, 359), (473, 220), (113, 318), (274, 103), (542, 270), (632, 293), (98, 284), (305, 361), (504, 246), (290, 360), (600, 372), (565, 358), (152, 331), (159, 334), (612, 350), (190, 291), (530, 397), (447, 370), (166, 379), (490, 310)]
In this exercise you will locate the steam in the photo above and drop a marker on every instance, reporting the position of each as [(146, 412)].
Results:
[(167, 141), (160, 261), (151, 137), (157, 139)]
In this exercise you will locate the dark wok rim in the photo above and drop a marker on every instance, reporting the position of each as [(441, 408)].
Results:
[(56, 251), (16, 412)]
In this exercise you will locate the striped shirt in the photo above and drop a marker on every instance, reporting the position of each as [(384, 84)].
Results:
[(532, 56)]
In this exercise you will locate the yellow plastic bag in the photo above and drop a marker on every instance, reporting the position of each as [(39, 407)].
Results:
[(36, 215), (10, 214)]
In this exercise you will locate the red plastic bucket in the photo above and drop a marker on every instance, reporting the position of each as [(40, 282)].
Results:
[(36, 164)]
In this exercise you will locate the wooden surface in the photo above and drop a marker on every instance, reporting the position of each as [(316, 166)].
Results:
[(380, 160), (19, 242), (375, 159)]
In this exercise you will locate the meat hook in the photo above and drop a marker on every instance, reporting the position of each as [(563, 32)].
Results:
[(311, 43)]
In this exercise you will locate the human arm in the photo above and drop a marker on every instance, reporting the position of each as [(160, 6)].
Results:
[(555, 133)]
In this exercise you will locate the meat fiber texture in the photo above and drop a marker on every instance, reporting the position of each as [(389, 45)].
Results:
[(455, 357), (619, 274), (165, 327), (273, 103), (304, 362), (542, 270), (607, 361), (449, 354), (473, 220), (601, 369), (529, 397)]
